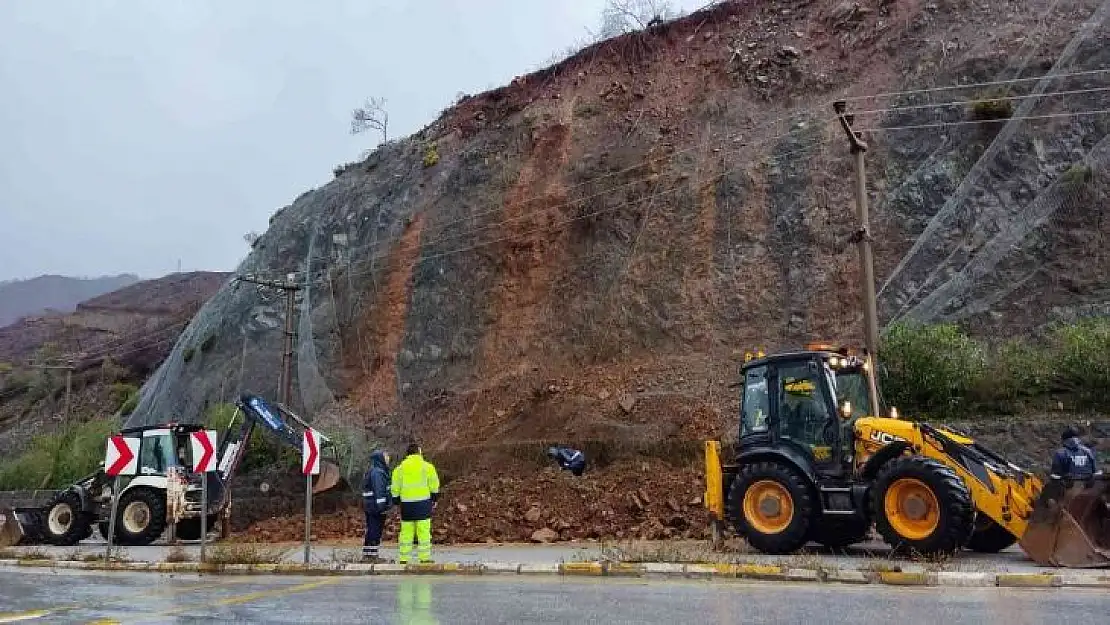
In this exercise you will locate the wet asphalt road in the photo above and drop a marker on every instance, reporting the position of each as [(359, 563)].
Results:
[(48, 597)]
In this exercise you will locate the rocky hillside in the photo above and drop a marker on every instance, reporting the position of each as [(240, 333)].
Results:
[(114, 340), (53, 294), (581, 254)]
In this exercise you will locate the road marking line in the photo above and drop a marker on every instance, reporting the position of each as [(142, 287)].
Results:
[(30, 615), (254, 596)]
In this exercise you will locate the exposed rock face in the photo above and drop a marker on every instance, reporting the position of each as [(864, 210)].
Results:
[(626, 221)]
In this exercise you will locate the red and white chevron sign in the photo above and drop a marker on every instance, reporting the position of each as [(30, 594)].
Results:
[(310, 452), (122, 457), (204, 451)]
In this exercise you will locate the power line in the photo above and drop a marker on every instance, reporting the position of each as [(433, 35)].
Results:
[(967, 122), (384, 252), (991, 83), (646, 163), (895, 109)]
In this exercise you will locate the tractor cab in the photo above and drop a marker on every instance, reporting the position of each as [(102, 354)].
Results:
[(803, 403), (163, 447)]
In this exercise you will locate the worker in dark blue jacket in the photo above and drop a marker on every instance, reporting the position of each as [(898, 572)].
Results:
[(376, 502), (1073, 461), (569, 459)]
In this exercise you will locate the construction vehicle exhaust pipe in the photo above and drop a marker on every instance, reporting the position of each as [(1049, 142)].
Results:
[(1070, 525)]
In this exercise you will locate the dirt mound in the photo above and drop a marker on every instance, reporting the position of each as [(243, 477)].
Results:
[(629, 499)]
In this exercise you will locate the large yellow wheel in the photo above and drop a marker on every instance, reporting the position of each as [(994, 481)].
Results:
[(912, 508), (768, 507), (771, 506), (919, 504)]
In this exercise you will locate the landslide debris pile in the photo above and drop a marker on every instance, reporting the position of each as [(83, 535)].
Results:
[(631, 499)]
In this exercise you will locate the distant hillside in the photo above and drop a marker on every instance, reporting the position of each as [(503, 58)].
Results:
[(20, 298)]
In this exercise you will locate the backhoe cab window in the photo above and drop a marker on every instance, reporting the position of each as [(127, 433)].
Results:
[(756, 406), (802, 408), (156, 455), (851, 385)]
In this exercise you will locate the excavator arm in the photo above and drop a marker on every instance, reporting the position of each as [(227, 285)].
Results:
[(278, 421)]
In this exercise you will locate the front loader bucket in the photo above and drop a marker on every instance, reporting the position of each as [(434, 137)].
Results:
[(10, 531), (1070, 525), (328, 478), (20, 527)]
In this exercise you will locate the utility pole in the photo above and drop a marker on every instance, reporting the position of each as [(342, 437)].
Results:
[(68, 368), (290, 287), (863, 239)]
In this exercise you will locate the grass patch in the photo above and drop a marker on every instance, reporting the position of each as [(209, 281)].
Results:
[(881, 566), (992, 107), (345, 556), (119, 554), (58, 459), (245, 553), (9, 554), (671, 552), (1078, 176), (178, 554), (33, 554), (938, 371)]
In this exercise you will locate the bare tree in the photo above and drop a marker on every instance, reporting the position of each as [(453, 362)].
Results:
[(252, 238), (371, 116), (624, 16)]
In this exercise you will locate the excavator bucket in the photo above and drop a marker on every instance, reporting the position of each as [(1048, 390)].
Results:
[(10, 531), (329, 476), (19, 526), (1070, 525)]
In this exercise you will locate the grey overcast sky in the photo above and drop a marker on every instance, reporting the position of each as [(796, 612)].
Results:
[(135, 134)]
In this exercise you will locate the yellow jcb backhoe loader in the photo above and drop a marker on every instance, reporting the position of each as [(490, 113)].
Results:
[(813, 464)]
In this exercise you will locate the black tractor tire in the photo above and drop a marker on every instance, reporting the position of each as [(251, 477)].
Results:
[(149, 520), (64, 523), (955, 512), (794, 532), (840, 533), (989, 537)]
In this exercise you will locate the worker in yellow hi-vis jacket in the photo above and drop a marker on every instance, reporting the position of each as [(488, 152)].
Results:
[(415, 487)]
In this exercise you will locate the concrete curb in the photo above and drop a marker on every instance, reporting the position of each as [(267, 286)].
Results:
[(658, 570)]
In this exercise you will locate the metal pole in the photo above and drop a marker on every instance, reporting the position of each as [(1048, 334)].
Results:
[(112, 519), (287, 354), (867, 275), (866, 260), (203, 513), (69, 385), (307, 518)]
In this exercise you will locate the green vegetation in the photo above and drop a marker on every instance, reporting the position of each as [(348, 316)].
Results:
[(940, 371), (208, 342), (1078, 176), (245, 554), (6, 367), (124, 396), (188, 354), (431, 155), (58, 459), (930, 368), (989, 108)]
